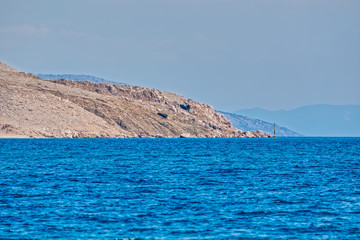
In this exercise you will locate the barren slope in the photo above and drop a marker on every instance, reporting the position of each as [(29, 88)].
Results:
[(34, 107)]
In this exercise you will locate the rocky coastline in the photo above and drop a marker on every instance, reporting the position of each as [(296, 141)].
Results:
[(32, 107)]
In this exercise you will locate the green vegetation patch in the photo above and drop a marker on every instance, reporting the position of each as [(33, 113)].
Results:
[(100, 100), (212, 126), (185, 107), (164, 115)]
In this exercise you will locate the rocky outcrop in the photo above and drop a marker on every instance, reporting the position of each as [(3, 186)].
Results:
[(59, 108)]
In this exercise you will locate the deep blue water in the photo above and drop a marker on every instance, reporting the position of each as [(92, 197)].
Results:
[(290, 188)]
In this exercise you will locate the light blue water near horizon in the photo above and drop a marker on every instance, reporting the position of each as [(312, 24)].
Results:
[(289, 188)]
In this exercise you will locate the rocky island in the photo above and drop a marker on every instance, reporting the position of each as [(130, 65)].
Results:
[(32, 107)]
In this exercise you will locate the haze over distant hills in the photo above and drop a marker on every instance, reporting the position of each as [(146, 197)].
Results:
[(313, 120), (251, 124), (76, 77)]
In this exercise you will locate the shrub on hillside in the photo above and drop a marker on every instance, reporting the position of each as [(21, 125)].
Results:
[(185, 107), (164, 115)]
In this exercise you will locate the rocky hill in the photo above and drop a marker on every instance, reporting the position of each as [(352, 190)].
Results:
[(59, 108), (76, 77), (251, 124)]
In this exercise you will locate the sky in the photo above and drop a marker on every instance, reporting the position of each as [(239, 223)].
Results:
[(231, 54)]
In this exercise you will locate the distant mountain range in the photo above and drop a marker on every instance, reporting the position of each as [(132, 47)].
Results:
[(76, 77), (313, 120), (249, 124)]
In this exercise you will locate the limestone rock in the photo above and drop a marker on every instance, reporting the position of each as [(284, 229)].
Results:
[(59, 108)]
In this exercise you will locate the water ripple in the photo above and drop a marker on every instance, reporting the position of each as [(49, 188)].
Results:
[(291, 188)]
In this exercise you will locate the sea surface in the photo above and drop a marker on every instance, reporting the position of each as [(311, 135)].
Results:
[(285, 188)]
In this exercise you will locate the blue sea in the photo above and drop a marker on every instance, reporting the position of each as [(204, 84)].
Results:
[(285, 188)]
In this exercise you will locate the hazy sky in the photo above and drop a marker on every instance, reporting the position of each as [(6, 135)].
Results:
[(228, 53)]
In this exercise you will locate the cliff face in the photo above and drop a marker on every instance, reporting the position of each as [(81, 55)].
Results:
[(58, 108)]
